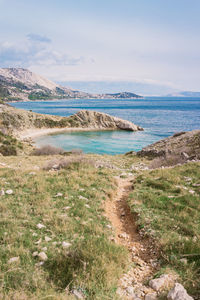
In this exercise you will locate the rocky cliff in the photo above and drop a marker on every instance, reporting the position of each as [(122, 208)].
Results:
[(14, 121), (183, 144)]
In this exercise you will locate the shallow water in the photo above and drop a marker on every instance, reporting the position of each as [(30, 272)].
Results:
[(160, 117)]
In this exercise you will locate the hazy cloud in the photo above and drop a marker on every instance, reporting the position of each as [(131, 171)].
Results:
[(38, 38), (35, 50)]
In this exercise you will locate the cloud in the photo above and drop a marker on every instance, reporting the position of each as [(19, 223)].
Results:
[(35, 50), (38, 38)]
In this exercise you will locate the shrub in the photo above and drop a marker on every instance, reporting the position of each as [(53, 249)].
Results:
[(47, 150), (67, 163)]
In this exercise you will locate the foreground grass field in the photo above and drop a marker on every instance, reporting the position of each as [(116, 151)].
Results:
[(58, 213), (167, 203)]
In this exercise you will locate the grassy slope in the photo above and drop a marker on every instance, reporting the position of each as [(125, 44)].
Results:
[(92, 263), (168, 211)]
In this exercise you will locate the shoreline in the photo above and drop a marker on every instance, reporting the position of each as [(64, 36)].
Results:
[(34, 133)]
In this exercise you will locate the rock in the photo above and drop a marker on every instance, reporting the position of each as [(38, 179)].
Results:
[(13, 260), (42, 256), (38, 242), (35, 253), (178, 293), (66, 207), (163, 282), (130, 291), (58, 195), (9, 192), (78, 294), (152, 296), (40, 226), (66, 244), (47, 239), (83, 198), (98, 120), (44, 249)]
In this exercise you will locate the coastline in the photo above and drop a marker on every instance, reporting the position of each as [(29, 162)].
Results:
[(34, 133)]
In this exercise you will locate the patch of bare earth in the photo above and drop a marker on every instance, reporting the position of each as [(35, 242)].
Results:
[(142, 256)]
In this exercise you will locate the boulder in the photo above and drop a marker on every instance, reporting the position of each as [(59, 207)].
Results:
[(178, 293)]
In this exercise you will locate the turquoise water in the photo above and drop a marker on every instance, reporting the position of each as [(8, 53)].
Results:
[(160, 117)]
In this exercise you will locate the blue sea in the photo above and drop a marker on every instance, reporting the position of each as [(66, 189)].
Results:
[(160, 117)]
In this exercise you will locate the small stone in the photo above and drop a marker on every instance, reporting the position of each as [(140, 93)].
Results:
[(44, 249), (9, 192), (42, 256), (39, 264), (130, 291), (66, 207), (40, 226), (109, 226), (34, 234), (184, 261), (78, 294), (47, 239), (58, 195), (86, 205), (83, 198), (66, 244), (13, 259), (38, 242), (152, 296), (35, 253), (178, 293), (192, 192)]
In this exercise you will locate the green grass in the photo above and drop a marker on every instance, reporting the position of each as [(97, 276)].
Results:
[(170, 213), (92, 264)]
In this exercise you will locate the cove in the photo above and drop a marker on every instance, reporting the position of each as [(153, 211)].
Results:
[(100, 142)]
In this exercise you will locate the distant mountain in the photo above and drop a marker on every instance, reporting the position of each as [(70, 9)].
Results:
[(184, 94), (18, 84)]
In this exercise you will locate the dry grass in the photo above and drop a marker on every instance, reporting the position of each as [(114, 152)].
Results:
[(69, 204), (167, 202)]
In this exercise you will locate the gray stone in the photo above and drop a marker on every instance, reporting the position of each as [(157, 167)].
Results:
[(162, 282), (42, 256), (178, 293), (13, 260), (152, 296)]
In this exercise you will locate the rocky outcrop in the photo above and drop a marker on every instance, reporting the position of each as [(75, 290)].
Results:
[(14, 121), (98, 120), (183, 144)]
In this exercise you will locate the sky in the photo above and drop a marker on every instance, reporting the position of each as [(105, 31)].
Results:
[(146, 46)]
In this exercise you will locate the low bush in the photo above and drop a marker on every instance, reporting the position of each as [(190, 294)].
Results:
[(66, 163), (47, 150)]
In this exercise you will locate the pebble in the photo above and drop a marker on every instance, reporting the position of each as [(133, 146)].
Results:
[(44, 249), (35, 253), (47, 239), (42, 256), (66, 207), (82, 198), (58, 195), (13, 259), (66, 244), (86, 205), (9, 192), (40, 226), (2, 193)]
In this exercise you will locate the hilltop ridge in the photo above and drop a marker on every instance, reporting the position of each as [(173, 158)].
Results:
[(18, 84)]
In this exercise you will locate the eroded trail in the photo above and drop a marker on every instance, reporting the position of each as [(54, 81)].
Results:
[(143, 262)]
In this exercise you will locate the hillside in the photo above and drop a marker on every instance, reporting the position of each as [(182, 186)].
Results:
[(18, 84), (86, 226)]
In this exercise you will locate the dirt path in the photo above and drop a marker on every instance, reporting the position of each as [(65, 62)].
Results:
[(143, 262)]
